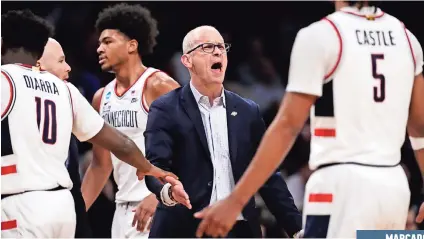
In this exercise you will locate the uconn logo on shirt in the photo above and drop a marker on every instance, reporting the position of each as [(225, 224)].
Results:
[(119, 118)]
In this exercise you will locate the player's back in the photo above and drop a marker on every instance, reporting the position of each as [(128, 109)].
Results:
[(37, 122), (362, 114)]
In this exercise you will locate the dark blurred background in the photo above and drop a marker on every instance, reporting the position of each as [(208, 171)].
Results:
[(261, 34)]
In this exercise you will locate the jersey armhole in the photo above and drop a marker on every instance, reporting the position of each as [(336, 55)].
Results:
[(101, 100), (143, 98), (12, 97), (410, 47), (339, 55)]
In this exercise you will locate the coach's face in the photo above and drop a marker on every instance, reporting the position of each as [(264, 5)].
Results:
[(114, 49), (208, 58)]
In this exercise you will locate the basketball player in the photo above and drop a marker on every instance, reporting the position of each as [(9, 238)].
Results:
[(128, 32), (38, 114), (53, 60), (360, 70)]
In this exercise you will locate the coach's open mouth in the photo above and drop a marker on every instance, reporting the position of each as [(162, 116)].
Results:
[(217, 66)]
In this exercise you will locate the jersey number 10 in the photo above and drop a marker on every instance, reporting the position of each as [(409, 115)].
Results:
[(49, 131), (379, 92)]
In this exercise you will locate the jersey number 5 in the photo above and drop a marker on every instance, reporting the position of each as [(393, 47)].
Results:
[(379, 92), (49, 131)]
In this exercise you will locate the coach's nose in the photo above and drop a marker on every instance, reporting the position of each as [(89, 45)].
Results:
[(217, 52)]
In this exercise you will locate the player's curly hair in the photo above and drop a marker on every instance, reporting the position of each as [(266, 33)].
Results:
[(361, 3), (134, 21), (24, 29)]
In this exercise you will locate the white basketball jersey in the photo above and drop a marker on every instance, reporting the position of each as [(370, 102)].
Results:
[(364, 76), (36, 126), (128, 114)]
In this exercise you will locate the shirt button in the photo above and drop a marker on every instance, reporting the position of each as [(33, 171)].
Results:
[(210, 184)]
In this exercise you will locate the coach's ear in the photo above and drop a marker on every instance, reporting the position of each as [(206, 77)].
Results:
[(186, 60)]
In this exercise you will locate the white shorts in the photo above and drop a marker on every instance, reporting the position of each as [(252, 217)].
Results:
[(38, 214), (122, 222), (341, 199)]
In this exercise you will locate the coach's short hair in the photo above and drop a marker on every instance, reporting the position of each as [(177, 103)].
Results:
[(24, 29), (134, 21)]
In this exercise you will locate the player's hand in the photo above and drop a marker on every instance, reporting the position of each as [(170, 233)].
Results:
[(178, 192), (156, 172), (144, 212), (219, 218), (299, 234), (420, 215)]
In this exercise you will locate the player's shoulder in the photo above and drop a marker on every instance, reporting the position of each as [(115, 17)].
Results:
[(318, 31), (12, 69), (167, 100), (6, 71), (159, 79), (71, 87), (97, 98), (99, 93), (171, 96)]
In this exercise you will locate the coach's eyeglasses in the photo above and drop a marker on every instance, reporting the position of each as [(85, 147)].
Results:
[(210, 47)]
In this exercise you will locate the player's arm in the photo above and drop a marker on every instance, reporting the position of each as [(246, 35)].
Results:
[(100, 167), (89, 126), (306, 74), (161, 85), (416, 111), (416, 120)]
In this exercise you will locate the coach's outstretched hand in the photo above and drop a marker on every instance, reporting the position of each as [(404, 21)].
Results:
[(162, 175), (420, 215)]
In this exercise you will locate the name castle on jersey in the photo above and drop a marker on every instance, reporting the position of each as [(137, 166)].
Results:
[(121, 118), (41, 85)]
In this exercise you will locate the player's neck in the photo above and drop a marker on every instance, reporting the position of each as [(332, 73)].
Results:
[(212, 91), (129, 73), (341, 4), (19, 56)]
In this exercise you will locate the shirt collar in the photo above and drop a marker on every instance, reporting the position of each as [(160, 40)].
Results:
[(198, 96), (364, 11)]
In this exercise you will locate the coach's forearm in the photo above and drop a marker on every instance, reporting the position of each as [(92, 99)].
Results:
[(154, 185)]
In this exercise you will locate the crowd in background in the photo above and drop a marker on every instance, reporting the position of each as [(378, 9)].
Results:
[(261, 35)]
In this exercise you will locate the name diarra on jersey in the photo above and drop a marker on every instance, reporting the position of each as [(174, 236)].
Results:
[(375, 38), (40, 85)]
